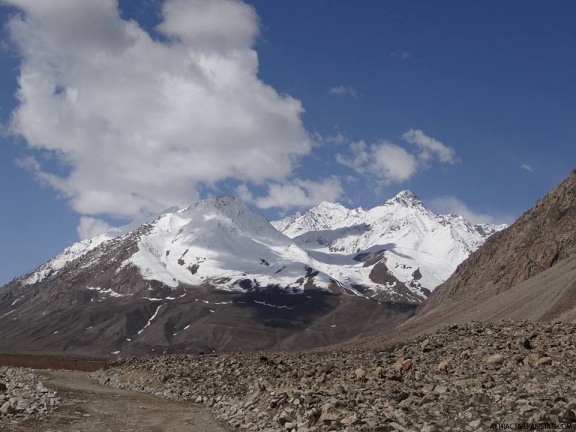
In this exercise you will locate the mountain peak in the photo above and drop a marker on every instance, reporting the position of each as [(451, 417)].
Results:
[(227, 204), (325, 205), (220, 200), (406, 198)]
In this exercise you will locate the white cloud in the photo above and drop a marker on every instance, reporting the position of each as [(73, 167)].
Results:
[(342, 91), (387, 162), (31, 164), (139, 123), (430, 147), (224, 24), (450, 204), (528, 167), (90, 227), (392, 162), (298, 193), (359, 159)]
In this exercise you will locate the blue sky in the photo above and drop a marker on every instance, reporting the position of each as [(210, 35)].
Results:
[(131, 110)]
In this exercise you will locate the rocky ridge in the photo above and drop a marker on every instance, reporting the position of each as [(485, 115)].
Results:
[(22, 395), (461, 378)]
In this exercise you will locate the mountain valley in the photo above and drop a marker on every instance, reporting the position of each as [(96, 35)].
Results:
[(480, 353)]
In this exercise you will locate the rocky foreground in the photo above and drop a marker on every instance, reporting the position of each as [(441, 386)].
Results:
[(22, 395), (462, 378)]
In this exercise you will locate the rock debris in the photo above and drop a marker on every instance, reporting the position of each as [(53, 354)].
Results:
[(22, 395), (488, 377)]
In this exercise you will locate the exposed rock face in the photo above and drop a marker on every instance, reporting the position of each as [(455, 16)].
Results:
[(462, 378), (540, 239)]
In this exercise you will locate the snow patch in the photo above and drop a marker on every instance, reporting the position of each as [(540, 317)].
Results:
[(108, 291), (151, 319), (8, 313), (17, 300), (271, 305)]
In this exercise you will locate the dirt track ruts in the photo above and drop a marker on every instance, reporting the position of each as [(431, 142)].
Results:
[(90, 407)]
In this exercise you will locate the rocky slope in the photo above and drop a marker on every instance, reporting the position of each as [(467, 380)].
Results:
[(463, 378), (22, 395)]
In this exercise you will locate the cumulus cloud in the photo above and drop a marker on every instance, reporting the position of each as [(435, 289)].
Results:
[(450, 204), (90, 227), (343, 91), (429, 147), (394, 162), (139, 123), (221, 24), (384, 160), (388, 162), (298, 193)]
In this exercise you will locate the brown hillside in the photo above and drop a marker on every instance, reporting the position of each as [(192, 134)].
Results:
[(526, 272), (537, 241)]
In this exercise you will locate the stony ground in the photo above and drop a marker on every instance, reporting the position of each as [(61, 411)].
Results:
[(23, 396), (462, 378)]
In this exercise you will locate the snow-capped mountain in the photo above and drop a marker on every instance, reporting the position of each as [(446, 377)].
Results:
[(420, 248), (221, 242), (218, 241), (196, 278)]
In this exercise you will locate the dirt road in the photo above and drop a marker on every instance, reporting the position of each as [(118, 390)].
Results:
[(90, 407)]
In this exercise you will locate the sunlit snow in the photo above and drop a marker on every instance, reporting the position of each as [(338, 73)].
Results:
[(221, 242)]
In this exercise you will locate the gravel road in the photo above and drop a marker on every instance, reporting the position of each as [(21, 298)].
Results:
[(89, 407)]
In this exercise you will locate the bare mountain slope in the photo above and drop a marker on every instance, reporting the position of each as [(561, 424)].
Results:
[(538, 240), (548, 296), (526, 272)]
